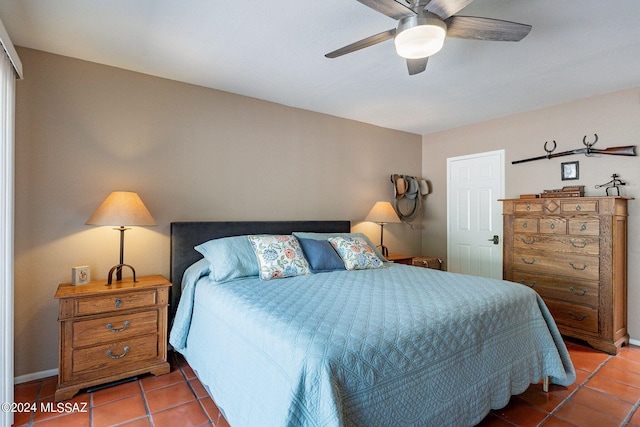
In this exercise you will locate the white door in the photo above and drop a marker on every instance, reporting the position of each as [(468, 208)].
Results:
[(474, 215)]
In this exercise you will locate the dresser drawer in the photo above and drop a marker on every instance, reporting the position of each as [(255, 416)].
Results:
[(527, 207), (553, 225), (115, 302), (120, 355), (558, 244), (525, 225), (584, 292), (579, 206), (567, 265), (585, 227), (111, 328), (574, 315)]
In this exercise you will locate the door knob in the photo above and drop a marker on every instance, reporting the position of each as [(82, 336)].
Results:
[(495, 239)]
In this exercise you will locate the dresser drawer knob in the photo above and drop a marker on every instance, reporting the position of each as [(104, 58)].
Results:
[(583, 227), (117, 302), (579, 319), (109, 326), (552, 226), (528, 262), (528, 207), (524, 282), (578, 244), (524, 225), (578, 207), (573, 291), (126, 350), (584, 266), (529, 241)]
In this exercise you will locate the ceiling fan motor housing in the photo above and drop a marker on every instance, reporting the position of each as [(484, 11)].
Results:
[(420, 36)]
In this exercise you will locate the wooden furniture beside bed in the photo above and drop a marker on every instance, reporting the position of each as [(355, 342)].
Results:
[(111, 332), (417, 261), (573, 252)]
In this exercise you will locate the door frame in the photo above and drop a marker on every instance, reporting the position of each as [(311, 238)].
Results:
[(450, 160)]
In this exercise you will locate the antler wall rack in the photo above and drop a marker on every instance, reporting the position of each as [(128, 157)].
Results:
[(628, 150)]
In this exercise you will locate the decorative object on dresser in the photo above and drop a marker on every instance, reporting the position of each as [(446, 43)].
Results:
[(573, 252), (382, 213), (108, 333), (615, 183), (121, 208)]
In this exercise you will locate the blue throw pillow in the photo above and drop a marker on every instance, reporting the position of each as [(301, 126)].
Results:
[(229, 258), (321, 255)]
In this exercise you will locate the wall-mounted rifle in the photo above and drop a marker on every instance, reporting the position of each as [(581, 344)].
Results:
[(628, 150)]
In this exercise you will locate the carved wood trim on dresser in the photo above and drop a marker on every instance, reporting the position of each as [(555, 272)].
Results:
[(573, 252)]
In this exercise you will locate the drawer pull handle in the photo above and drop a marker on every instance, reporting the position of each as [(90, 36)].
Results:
[(578, 207), (583, 227), (529, 241), (584, 291), (528, 262), (579, 319), (109, 326), (117, 302), (528, 207), (552, 226), (584, 266), (126, 350), (524, 225), (578, 244), (524, 282)]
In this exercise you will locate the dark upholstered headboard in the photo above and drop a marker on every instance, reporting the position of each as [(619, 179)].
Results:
[(186, 235)]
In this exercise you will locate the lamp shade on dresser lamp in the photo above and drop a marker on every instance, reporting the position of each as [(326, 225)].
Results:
[(122, 209)]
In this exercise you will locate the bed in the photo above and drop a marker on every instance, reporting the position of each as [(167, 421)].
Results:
[(395, 345)]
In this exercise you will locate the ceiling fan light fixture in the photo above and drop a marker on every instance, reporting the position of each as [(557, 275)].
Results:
[(420, 36)]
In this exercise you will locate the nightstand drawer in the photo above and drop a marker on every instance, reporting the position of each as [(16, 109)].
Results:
[(107, 329), (116, 355), (104, 304)]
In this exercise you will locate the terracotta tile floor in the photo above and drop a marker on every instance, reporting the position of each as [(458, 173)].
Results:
[(606, 393)]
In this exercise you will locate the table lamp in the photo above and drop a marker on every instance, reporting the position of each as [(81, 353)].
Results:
[(121, 208), (382, 213)]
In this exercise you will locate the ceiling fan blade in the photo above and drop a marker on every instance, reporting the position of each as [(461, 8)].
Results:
[(446, 8), (416, 66), (391, 8), (361, 44), (476, 28)]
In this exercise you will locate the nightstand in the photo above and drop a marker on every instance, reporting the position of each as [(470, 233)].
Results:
[(400, 259), (111, 332)]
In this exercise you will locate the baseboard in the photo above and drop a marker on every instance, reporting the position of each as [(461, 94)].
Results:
[(35, 376), (634, 342)]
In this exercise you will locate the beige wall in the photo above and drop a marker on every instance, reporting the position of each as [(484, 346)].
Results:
[(615, 117), (191, 153)]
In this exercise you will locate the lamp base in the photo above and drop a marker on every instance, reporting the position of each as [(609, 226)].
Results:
[(118, 269), (384, 250)]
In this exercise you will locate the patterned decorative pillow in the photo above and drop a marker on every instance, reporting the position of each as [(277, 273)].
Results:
[(279, 256), (356, 253)]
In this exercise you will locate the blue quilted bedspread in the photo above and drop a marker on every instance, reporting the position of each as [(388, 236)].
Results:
[(398, 346)]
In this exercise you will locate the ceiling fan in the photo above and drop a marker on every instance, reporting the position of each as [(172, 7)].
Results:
[(424, 24)]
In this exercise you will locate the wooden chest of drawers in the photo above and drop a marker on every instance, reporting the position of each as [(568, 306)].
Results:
[(573, 252), (108, 333)]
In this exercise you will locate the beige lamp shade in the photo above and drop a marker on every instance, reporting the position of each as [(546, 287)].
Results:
[(122, 208), (382, 213)]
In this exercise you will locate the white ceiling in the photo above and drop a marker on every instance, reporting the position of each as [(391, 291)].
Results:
[(274, 50)]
